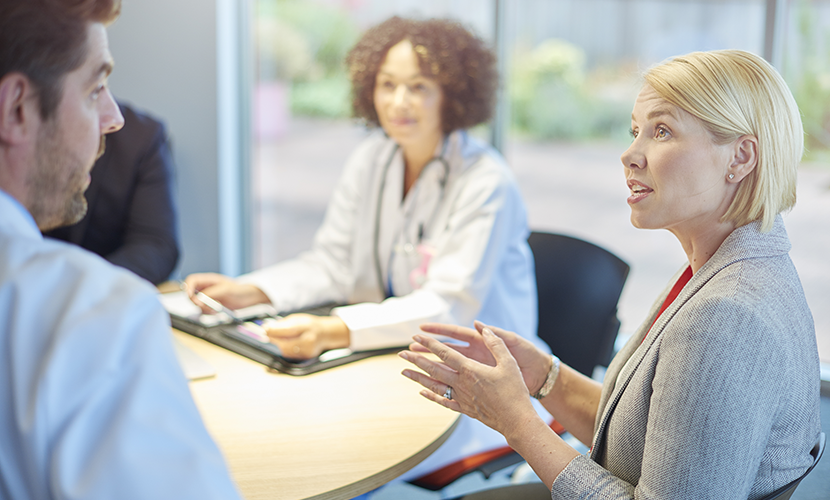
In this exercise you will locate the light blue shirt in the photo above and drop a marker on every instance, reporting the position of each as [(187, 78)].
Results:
[(93, 404)]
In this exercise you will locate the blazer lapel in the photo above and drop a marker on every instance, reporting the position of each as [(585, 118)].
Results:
[(621, 370), (742, 244)]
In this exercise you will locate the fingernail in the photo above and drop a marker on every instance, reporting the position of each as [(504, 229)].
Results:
[(404, 355), (407, 373), (418, 339), (487, 331)]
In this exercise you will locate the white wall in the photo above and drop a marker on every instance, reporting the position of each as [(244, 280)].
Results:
[(165, 55)]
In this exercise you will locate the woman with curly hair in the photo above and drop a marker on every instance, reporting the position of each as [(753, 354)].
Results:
[(426, 223)]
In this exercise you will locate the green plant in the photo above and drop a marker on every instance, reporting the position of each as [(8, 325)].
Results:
[(552, 95), (809, 79), (328, 97), (305, 43), (284, 52)]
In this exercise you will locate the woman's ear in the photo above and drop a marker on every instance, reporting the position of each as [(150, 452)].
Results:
[(744, 159), (17, 103)]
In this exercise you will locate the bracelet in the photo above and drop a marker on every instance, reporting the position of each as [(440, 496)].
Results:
[(550, 380)]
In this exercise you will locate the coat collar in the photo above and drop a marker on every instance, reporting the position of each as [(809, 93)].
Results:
[(745, 242), (16, 219)]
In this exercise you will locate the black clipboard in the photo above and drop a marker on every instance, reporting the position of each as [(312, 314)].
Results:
[(228, 336)]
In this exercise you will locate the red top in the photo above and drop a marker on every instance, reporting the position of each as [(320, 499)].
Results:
[(675, 291)]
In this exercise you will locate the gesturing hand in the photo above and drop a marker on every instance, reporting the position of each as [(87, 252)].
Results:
[(533, 363), (493, 392)]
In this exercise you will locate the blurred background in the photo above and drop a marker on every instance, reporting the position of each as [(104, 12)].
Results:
[(256, 95)]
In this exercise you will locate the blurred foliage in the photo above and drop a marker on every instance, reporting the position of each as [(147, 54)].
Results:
[(284, 52), (809, 79), (552, 96), (305, 43), (328, 97)]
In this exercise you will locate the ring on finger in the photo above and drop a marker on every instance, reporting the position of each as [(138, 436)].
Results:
[(448, 392)]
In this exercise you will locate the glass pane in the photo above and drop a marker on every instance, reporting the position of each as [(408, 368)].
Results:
[(806, 67), (303, 132), (573, 77)]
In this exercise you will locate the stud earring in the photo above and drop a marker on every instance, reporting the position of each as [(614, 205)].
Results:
[(731, 176)]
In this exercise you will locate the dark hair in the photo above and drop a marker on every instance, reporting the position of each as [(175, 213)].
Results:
[(460, 62), (46, 39)]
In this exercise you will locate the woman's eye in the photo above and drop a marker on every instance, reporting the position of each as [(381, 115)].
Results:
[(97, 91), (419, 87), (633, 133), (661, 133)]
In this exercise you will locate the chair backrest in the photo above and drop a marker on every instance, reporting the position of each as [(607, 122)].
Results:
[(579, 285), (786, 491)]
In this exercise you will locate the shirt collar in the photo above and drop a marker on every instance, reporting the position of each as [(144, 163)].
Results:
[(16, 217)]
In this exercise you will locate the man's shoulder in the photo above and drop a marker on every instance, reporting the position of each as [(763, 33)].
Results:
[(74, 304), (139, 120), (38, 265), (141, 132)]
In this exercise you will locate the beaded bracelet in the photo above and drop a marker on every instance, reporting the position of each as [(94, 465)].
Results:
[(550, 380)]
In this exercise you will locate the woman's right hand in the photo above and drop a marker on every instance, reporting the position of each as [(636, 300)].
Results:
[(491, 394), (533, 363), (228, 291)]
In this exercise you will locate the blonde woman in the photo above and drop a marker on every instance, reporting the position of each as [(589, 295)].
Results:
[(717, 394)]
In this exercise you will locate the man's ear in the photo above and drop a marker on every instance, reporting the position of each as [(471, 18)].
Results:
[(744, 159), (18, 104)]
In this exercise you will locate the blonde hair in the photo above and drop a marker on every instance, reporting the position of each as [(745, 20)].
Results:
[(736, 93)]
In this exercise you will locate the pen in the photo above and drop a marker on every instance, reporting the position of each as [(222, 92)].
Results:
[(211, 303)]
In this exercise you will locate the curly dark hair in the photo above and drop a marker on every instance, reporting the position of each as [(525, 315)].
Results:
[(459, 61)]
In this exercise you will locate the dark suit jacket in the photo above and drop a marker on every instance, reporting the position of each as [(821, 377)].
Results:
[(131, 220)]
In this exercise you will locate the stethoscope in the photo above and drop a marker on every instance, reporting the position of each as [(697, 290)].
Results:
[(376, 251)]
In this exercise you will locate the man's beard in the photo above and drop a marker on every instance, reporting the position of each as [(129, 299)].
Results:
[(57, 201)]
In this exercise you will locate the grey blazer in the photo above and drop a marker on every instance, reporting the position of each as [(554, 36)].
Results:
[(721, 398)]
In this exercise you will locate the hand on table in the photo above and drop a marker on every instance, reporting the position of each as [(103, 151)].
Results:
[(229, 292), (491, 390), (533, 363), (304, 336)]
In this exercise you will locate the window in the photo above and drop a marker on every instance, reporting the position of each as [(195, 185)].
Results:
[(571, 76)]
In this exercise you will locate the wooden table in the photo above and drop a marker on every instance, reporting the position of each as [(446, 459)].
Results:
[(330, 435)]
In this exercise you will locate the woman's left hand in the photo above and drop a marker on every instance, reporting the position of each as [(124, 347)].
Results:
[(305, 336), (495, 395)]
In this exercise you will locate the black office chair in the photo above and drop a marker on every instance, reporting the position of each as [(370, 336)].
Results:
[(538, 491), (578, 286), (786, 491), (526, 491)]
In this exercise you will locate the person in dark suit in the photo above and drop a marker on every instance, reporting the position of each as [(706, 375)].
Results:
[(131, 221)]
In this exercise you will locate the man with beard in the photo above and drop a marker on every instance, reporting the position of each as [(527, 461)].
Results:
[(93, 404), (131, 219)]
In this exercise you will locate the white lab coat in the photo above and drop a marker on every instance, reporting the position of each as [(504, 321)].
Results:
[(482, 267), (476, 225), (94, 403)]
